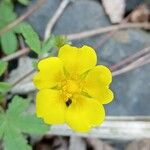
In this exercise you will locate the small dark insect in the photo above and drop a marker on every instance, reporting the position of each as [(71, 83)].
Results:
[(68, 102)]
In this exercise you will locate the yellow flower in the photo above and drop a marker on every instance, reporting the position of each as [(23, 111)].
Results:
[(72, 89)]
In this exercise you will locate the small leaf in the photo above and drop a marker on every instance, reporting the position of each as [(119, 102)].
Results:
[(3, 66), (31, 124), (48, 44), (24, 2), (15, 121), (13, 140), (6, 12), (4, 87), (60, 41), (9, 42), (17, 106), (31, 37), (34, 64)]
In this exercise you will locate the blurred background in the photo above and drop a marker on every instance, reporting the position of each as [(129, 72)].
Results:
[(124, 49)]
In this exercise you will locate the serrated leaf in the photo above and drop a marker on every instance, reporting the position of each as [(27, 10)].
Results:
[(24, 2), (13, 140), (3, 66), (17, 106), (31, 124), (15, 121), (31, 37), (4, 87), (9, 42)]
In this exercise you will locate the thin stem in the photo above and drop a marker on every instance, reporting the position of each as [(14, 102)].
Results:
[(23, 17), (130, 59), (101, 30), (111, 33), (23, 77), (16, 54), (55, 17), (138, 63)]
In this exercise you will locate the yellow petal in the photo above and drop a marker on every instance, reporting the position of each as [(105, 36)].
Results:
[(97, 84), (84, 114), (50, 73), (50, 106), (77, 60)]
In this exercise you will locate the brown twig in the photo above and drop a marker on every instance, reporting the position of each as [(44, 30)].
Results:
[(23, 77), (130, 59), (16, 54), (101, 30), (111, 33), (21, 18), (132, 66), (55, 17)]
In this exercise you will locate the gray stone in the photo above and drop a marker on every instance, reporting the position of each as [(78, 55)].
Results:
[(132, 4), (78, 16), (40, 18), (81, 15), (132, 88)]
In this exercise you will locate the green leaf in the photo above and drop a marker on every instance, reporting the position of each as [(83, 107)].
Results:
[(13, 140), (48, 45), (24, 2), (17, 120), (2, 125), (3, 66), (2, 97), (34, 64), (4, 87), (9, 42), (60, 41), (17, 106), (31, 124), (6, 13), (31, 37)]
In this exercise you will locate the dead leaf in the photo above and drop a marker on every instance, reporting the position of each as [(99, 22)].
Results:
[(141, 14), (115, 9)]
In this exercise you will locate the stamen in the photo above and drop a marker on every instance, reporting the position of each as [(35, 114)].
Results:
[(68, 102)]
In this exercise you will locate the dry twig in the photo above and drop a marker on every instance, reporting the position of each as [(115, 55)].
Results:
[(101, 30), (111, 33), (16, 54), (130, 59), (135, 64), (55, 17)]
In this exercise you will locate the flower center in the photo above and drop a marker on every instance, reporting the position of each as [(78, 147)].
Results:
[(72, 86), (69, 88)]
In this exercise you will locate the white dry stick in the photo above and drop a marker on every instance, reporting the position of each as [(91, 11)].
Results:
[(77, 143), (114, 127), (56, 16), (100, 30)]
